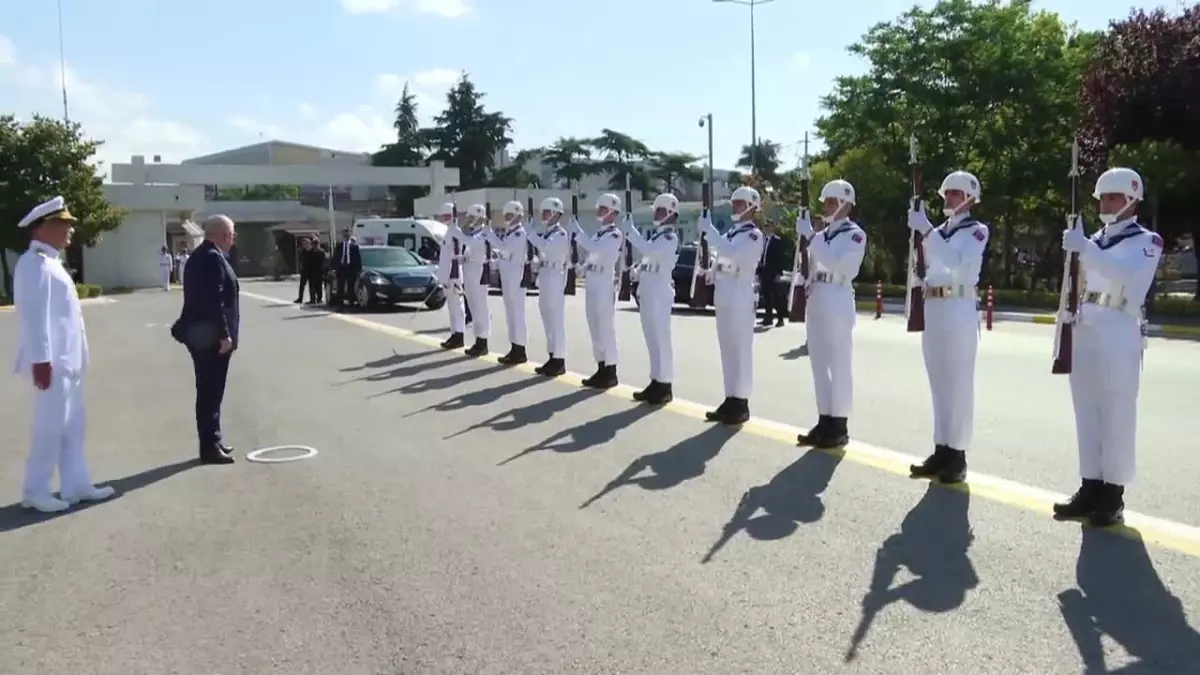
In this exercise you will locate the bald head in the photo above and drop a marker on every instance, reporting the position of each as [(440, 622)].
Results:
[(219, 230)]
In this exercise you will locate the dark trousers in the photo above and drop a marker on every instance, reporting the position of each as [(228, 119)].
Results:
[(315, 286), (211, 370), (346, 277), (774, 302)]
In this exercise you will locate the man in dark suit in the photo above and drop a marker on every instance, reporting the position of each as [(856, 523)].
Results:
[(208, 327), (347, 265), (312, 271), (770, 266)]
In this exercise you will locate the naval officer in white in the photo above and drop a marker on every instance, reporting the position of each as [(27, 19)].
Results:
[(52, 350)]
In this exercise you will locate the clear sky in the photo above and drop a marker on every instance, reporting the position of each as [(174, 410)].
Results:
[(181, 78)]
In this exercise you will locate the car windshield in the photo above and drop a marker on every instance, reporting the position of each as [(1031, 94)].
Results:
[(391, 256)]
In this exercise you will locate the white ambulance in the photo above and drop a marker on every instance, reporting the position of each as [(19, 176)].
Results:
[(422, 237)]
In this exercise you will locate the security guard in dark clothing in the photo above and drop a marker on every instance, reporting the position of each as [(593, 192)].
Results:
[(312, 271)]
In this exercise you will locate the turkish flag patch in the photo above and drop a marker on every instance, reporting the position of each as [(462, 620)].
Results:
[(856, 238), (1157, 240), (980, 235)]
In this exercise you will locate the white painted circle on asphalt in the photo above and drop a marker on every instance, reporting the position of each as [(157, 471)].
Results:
[(260, 457)]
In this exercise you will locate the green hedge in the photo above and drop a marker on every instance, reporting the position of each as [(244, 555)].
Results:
[(1021, 299), (89, 290)]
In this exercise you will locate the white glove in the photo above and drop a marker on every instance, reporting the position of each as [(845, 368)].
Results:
[(1074, 240), (919, 222), (704, 222), (804, 227)]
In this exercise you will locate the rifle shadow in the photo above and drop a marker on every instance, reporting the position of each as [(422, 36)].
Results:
[(588, 435), (795, 353), (395, 359), (480, 397), (1120, 595), (524, 416), (792, 497), (932, 544), (672, 467), (402, 371), (444, 382)]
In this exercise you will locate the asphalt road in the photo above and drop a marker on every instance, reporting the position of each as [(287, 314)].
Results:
[(462, 518)]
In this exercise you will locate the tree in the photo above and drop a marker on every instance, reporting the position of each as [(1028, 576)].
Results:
[(991, 88), (622, 155), (570, 159), (407, 150), (767, 162), (43, 158), (258, 193), (467, 136), (1139, 94), (673, 168), (515, 175)]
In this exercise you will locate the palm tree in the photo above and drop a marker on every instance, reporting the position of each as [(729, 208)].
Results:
[(570, 159), (619, 152), (768, 159), (515, 174)]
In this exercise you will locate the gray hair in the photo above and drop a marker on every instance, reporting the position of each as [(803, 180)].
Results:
[(218, 224)]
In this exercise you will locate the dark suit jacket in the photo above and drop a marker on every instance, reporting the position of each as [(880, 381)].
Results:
[(355, 257), (210, 301), (772, 264), (313, 261)]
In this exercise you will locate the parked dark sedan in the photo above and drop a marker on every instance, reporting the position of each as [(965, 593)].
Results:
[(393, 275), (684, 269)]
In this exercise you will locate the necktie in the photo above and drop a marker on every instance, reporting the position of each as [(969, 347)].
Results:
[(346, 253), (766, 245)]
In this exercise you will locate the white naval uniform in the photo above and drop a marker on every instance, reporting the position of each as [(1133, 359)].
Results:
[(180, 264), (603, 250), (554, 254), (953, 262), (453, 287), (837, 255), (510, 249), (738, 253), (1118, 264), (165, 262), (50, 330), (656, 295), (475, 289)]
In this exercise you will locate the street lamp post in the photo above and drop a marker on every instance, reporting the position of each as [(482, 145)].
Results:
[(753, 87)]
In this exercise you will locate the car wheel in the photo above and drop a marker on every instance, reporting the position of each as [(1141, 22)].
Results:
[(364, 296), (436, 301)]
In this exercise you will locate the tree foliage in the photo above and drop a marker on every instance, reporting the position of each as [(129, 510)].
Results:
[(467, 136), (43, 158), (254, 193), (409, 149)]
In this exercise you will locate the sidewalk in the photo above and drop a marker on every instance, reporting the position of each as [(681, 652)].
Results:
[(1040, 316)]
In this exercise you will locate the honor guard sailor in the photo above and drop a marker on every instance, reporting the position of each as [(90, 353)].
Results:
[(509, 245), (837, 255), (738, 252), (954, 254), (656, 295), (1118, 264), (475, 287), (449, 274), (600, 284), (52, 349), (553, 250)]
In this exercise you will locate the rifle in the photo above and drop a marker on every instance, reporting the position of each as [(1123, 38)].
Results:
[(1068, 298), (800, 268), (457, 251), (486, 278), (914, 307), (626, 291), (570, 288), (702, 291), (527, 275)]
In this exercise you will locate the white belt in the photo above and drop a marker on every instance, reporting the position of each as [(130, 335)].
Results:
[(504, 255), (1112, 301), (728, 267), (594, 267), (951, 292), (649, 267), (559, 266), (831, 279)]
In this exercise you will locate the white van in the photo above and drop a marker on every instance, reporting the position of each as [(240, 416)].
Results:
[(415, 234)]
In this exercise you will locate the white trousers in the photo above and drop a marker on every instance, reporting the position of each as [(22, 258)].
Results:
[(551, 304), (950, 342), (59, 421), (1105, 376), (164, 277), (600, 304), (514, 308), (830, 323), (458, 313), (656, 298), (734, 303), (476, 295)]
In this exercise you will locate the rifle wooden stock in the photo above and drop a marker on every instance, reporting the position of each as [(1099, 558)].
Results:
[(916, 267), (800, 268), (454, 274), (486, 277), (1069, 300), (574, 261), (527, 274), (702, 291), (626, 290)]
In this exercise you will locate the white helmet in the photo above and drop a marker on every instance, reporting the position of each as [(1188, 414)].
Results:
[(552, 204), (667, 202), (446, 210), (965, 182), (748, 195), (476, 213), (512, 210), (843, 192), (1120, 182), (609, 201)]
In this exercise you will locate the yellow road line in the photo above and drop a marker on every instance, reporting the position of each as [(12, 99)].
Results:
[(1167, 534)]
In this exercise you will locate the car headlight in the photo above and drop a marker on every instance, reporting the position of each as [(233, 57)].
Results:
[(377, 279)]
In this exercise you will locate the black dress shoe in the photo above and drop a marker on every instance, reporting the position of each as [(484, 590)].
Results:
[(479, 348), (1109, 509), (225, 449), (719, 414), (816, 433), (594, 377), (455, 341), (515, 356), (932, 465), (836, 435), (661, 394), (553, 368), (737, 413), (606, 378), (214, 454)]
